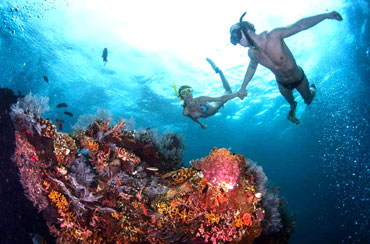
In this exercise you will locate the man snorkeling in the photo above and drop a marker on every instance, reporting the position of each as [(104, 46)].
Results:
[(270, 50), (203, 106)]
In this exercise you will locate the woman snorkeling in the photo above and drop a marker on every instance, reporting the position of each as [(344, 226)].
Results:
[(203, 106)]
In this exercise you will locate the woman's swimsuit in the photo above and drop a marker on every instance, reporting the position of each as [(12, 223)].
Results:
[(204, 108), (291, 86)]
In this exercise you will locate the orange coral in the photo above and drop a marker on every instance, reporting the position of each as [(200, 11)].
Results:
[(48, 129), (58, 200), (92, 146), (127, 156), (180, 176)]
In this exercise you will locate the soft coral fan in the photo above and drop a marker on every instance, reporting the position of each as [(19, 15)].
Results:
[(85, 120), (33, 104), (28, 109), (270, 201), (82, 172), (170, 147), (259, 175)]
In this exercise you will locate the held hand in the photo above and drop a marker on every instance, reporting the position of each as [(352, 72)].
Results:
[(335, 15), (242, 94)]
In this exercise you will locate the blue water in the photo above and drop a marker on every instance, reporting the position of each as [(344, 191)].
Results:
[(322, 166)]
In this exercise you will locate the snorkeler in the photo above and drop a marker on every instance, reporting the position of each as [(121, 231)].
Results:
[(203, 106), (270, 50)]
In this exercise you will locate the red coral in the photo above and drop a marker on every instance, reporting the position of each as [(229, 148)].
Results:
[(101, 161)]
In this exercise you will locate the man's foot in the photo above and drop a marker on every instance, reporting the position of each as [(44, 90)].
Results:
[(313, 93), (291, 114), (214, 67)]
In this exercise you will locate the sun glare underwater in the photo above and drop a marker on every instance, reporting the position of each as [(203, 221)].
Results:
[(95, 87)]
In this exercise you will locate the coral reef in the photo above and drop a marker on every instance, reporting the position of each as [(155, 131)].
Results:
[(18, 217), (27, 110), (106, 184), (170, 148)]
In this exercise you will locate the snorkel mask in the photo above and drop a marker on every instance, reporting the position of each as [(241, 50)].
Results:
[(183, 92), (236, 32), (186, 91)]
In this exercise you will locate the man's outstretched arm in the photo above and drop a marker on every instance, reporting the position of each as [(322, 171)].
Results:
[(304, 24), (252, 67)]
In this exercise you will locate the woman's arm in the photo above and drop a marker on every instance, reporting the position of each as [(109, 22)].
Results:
[(200, 123), (222, 99), (186, 113)]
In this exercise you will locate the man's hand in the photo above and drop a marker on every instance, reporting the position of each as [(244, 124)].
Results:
[(335, 15), (203, 126), (242, 94)]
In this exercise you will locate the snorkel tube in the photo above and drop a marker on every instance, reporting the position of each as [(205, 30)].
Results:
[(243, 27), (176, 92)]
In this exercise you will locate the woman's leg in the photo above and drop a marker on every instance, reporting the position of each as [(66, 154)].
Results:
[(225, 83)]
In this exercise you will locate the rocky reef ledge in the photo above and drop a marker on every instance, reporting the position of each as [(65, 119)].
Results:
[(107, 184)]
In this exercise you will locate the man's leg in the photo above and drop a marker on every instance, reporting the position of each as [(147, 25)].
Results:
[(307, 93), (223, 79), (288, 95)]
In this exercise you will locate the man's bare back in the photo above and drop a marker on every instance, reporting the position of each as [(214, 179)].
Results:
[(270, 50)]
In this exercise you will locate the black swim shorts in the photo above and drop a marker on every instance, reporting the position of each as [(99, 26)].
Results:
[(295, 84)]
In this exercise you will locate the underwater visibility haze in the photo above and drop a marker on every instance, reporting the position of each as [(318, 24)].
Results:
[(119, 59)]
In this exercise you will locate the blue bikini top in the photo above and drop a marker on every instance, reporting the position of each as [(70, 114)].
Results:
[(203, 108)]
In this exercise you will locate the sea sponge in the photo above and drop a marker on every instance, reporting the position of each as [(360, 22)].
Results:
[(222, 168)]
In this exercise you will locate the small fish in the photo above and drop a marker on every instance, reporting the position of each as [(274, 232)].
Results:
[(46, 78), (62, 105), (38, 239), (152, 168), (59, 123), (258, 195), (105, 55), (69, 113)]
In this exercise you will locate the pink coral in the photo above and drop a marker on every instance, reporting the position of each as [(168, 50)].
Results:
[(222, 168)]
